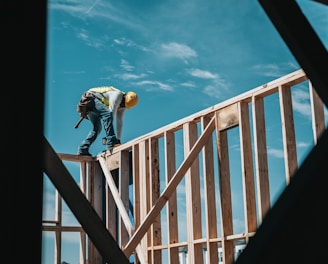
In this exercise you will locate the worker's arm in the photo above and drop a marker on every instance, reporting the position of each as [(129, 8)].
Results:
[(119, 122)]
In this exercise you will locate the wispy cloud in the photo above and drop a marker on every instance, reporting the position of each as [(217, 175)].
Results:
[(303, 144), (129, 76), (126, 66), (188, 84), (274, 70), (74, 72), (301, 102), (129, 43), (92, 6), (213, 90), (97, 9), (203, 74), (90, 41), (216, 86), (176, 50), (277, 153), (154, 85)]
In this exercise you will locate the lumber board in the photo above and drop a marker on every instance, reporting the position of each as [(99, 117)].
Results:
[(247, 168), (261, 156), (193, 204), (209, 197), (288, 131), (172, 213), (318, 115)]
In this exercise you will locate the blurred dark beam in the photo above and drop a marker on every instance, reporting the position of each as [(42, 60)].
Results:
[(81, 207), (293, 228), (23, 43), (302, 41), (325, 2)]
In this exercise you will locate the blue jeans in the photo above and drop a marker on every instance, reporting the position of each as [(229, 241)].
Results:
[(100, 114)]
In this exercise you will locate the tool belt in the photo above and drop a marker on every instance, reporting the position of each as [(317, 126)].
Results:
[(85, 105)]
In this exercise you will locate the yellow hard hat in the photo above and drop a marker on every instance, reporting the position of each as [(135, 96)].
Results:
[(131, 99)]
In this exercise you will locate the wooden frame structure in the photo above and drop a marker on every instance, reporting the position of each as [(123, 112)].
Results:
[(134, 173)]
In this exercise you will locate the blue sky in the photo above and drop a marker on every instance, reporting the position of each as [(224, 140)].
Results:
[(180, 57)]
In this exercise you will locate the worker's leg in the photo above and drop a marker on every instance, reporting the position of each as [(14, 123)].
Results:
[(92, 135), (107, 119)]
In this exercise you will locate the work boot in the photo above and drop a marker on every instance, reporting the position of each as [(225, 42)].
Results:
[(84, 153)]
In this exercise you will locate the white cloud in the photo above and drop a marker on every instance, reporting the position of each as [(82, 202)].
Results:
[(129, 43), (274, 70), (216, 85), (96, 9), (159, 85), (130, 76), (124, 42), (188, 84), (203, 74), (176, 50), (303, 144), (126, 66), (213, 91), (301, 102), (92, 42), (277, 153)]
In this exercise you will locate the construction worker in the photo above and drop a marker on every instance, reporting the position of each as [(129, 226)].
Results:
[(109, 103)]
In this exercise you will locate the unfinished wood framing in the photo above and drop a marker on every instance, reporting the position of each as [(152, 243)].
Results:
[(199, 164)]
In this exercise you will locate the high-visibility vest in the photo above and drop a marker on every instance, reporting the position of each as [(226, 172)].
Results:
[(103, 89)]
